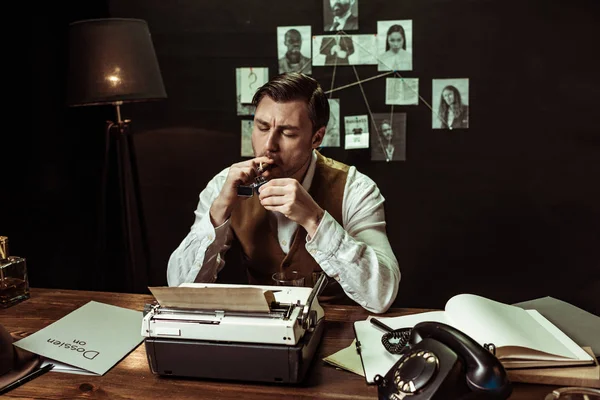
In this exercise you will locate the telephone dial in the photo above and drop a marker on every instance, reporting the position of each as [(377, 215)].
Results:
[(441, 362)]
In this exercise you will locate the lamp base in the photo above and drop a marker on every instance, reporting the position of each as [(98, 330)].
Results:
[(122, 243)]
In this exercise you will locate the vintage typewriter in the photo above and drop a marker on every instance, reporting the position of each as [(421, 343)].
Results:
[(233, 332)]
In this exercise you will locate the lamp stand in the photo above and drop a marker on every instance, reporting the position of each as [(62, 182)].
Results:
[(130, 238)]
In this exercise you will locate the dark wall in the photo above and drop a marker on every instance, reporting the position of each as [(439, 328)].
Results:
[(50, 178), (508, 208)]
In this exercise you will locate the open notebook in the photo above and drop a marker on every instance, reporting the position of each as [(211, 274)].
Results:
[(523, 338)]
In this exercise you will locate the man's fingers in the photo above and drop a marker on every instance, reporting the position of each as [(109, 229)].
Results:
[(266, 191), (271, 192), (281, 182), (273, 201), (243, 174)]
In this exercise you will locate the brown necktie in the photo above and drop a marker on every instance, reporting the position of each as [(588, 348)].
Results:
[(335, 26)]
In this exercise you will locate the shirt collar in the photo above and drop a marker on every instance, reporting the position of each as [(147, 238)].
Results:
[(310, 172), (342, 20)]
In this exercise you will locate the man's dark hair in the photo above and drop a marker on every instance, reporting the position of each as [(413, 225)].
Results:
[(297, 86)]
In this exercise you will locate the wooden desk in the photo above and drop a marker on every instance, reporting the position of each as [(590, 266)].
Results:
[(132, 379)]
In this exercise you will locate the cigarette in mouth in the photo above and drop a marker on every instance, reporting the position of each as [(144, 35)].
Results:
[(263, 167)]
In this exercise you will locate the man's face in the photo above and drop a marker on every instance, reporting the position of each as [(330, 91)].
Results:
[(340, 7), (386, 130), (293, 42), (448, 96), (283, 132)]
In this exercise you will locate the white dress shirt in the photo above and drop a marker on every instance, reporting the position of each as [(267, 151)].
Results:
[(357, 253)]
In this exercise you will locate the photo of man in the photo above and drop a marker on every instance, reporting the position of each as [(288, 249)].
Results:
[(343, 49), (336, 49), (388, 137), (292, 49), (340, 15)]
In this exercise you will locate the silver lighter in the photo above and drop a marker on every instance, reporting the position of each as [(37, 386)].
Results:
[(248, 190)]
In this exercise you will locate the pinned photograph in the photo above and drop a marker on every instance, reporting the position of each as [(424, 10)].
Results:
[(450, 103), (329, 50), (388, 137), (242, 109), (402, 91), (251, 80), (332, 132), (247, 125), (332, 50), (293, 49), (394, 45), (357, 132), (340, 15)]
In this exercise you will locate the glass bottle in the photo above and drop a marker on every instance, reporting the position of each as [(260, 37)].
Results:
[(14, 285)]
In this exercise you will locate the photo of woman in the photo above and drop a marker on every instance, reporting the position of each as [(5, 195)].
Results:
[(450, 103), (396, 44)]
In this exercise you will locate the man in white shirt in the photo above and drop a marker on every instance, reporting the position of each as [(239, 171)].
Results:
[(342, 16), (314, 214)]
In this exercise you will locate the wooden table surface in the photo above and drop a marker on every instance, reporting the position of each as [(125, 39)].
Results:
[(132, 379)]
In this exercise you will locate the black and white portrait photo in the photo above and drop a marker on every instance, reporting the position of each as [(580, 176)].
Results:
[(388, 137), (450, 103), (293, 49), (344, 49), (394, 45), (332, 50), (340, 15)]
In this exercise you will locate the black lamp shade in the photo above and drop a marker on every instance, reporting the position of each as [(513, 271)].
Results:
[(112, 60)]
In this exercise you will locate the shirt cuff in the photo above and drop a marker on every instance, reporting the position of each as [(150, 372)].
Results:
[(206, 234), (326, 240)]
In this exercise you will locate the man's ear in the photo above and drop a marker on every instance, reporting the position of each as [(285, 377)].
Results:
[(317, 137)]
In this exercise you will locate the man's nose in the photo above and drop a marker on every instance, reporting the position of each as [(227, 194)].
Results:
[(272, 143)]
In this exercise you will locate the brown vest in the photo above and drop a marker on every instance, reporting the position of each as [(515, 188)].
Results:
[(262, 255)]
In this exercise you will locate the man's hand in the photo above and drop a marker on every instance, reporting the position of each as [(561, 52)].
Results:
[(335, 49), (288, 197), (242, 173)]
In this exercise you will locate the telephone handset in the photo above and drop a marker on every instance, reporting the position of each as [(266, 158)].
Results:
[(441, 362)]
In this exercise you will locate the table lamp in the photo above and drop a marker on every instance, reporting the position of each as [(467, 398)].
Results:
[(111, 62)]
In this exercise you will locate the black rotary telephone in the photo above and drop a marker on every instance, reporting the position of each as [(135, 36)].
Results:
[(441, 362)]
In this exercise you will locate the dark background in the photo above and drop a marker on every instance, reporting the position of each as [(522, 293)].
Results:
[(508, 209)]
